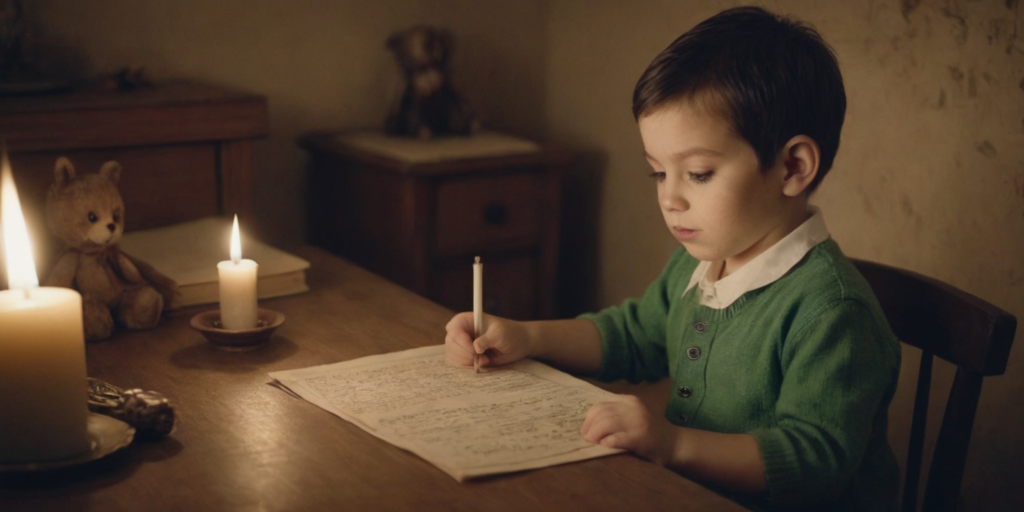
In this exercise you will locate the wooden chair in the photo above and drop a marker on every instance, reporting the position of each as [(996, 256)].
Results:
[(962, 329)]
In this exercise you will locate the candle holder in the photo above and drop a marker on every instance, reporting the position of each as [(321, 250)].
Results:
[(106, 436), (208, 323)]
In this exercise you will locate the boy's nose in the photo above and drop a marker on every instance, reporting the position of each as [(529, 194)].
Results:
[(671, 201)]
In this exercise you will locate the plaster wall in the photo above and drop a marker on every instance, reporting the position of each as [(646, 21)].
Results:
[(929, 176)]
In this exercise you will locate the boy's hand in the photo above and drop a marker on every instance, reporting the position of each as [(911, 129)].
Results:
[(502, 342), (629, 425)]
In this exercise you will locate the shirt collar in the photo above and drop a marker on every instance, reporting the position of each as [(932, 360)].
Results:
[(764, 269)]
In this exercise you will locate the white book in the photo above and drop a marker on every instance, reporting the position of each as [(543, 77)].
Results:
[(189, 252)]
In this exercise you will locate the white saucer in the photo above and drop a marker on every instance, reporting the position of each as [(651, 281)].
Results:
[(106, 436)]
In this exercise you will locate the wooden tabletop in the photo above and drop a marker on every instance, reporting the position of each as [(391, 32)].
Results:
[(242, 444)]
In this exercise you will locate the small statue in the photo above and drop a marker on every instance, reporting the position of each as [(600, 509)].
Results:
[(429, 104), (148, 411)]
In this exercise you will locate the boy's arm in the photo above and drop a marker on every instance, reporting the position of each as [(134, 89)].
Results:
[(840, 369), (732, 461), (633, 334), (728, 461), (572, 345)]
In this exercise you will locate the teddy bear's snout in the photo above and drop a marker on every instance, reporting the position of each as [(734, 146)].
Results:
[(112, 227)]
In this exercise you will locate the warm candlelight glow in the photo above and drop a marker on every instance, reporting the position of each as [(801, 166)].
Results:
[(237, 278), (42, 351), (236, 243), (21, 269)]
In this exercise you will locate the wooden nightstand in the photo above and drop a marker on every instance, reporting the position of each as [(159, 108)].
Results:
[(417, 212)]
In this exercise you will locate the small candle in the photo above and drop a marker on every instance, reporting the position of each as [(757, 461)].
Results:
[(43, 393), (237, 287)]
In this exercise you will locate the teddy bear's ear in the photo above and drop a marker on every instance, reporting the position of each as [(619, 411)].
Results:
[(63, 172), (112, 171)]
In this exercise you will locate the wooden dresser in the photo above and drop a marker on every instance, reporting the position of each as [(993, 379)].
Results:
[(418, 212), (174, 140)]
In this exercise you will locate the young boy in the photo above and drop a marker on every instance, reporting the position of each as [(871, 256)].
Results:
[(782, 363)]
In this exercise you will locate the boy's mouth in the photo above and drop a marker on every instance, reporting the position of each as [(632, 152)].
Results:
[(684, 234)]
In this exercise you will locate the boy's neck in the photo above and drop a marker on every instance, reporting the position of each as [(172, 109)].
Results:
[(788, 223)]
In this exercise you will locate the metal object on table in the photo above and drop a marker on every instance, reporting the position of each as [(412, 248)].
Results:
[(148, 411)]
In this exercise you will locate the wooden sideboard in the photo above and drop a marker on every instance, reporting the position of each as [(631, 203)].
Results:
[(421, 220), (175, 140)]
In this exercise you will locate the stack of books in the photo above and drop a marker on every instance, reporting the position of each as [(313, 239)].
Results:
[(189, 253)]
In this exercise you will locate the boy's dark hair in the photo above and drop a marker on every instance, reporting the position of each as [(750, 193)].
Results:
[(773, 78)]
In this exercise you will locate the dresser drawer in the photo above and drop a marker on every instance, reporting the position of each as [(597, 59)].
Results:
[(488, 213)]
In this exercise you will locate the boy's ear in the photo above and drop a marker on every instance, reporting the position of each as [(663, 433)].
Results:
[(800, 158)]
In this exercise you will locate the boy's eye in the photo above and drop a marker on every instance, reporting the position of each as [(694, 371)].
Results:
[(658, 176), (701, 177)]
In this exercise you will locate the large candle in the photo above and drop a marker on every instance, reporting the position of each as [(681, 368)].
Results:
[(237, 287), (43, 393)]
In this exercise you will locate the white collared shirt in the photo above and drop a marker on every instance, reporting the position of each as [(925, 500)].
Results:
[(763, 270)]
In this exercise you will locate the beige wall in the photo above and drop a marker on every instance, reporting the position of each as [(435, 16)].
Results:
[(321, 64), (930, 175)]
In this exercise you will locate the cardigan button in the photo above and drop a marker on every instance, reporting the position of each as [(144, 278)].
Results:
[(693, 353), (700, 326), (685, 392)]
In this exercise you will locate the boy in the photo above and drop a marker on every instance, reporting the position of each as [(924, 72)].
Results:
[(782, 363)]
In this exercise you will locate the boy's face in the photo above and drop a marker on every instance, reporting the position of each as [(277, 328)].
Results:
[(715, 199)]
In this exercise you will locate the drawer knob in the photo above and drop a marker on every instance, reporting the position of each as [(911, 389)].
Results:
[(495, 214)]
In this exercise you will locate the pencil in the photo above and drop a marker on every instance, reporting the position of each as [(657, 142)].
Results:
[(478, 307)]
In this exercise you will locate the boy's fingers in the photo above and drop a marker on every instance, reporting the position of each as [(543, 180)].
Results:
[(601, 426), (610, 441), (481, 344), (458, 354), (597, 411), (463, 348)]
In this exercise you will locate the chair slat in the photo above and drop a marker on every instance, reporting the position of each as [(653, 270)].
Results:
[(932, 315), (962, 329), (950, 456), (917, 429)]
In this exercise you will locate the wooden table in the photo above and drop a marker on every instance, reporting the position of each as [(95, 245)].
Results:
[(242, 444)]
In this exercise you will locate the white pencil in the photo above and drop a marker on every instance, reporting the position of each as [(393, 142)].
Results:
[(478, 307)]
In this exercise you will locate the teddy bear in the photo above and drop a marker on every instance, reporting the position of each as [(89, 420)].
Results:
[(87, 213), (429, 105)]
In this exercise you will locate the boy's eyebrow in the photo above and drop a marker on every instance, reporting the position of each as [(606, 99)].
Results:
[(683, 155)]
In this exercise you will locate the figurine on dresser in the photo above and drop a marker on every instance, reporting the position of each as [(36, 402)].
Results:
[(429, 104), (87, 213)]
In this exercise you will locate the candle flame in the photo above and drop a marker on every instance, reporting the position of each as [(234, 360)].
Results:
[(21, 269), (236, 243)]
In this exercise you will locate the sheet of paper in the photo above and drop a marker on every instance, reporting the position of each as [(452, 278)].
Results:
[(522, 416)]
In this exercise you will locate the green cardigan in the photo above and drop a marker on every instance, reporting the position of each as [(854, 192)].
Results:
[(807, 365)]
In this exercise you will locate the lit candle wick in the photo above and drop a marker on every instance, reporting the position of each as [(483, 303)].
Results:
[(236, 243)]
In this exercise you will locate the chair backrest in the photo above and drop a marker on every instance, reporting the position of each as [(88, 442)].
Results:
[(962, 329)]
